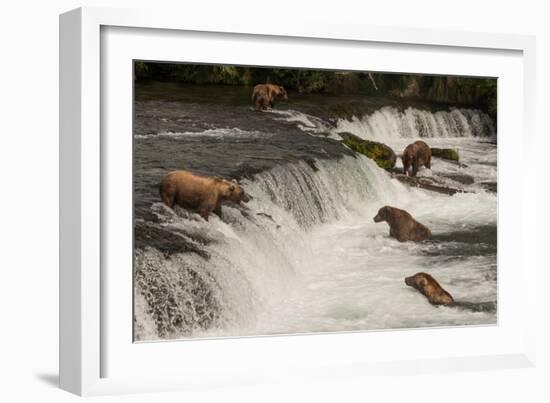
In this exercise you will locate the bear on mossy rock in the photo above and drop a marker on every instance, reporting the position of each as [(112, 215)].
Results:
[(264, 95), (200, 193), (379, 152)]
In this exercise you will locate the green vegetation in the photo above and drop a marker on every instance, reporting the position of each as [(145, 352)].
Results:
[(378, 152), (467, 91), (296, 79), (445, 153)]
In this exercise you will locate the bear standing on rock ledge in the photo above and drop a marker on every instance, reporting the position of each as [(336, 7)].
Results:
[(402, 226), (201, 193), (264, 95), (416, 155)]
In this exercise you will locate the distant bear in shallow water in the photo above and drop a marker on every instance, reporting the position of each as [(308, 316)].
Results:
[(430, 288), (264, 95), (402, 226), (416, 155), (200, 193)]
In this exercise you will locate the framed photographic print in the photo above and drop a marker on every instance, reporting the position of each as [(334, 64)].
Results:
[(223, 183)]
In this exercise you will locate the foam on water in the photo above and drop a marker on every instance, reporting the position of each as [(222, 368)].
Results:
[(307, 123), (390, 123), (233, 132), (470, 132), (306, 256)]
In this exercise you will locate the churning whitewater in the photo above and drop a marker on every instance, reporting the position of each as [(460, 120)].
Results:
[(304, 255)]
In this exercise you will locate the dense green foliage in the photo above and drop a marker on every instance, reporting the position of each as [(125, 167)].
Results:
[(480, 92), (296, 79)]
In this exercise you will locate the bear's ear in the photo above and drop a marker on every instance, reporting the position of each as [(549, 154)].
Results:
[(422, 281), (234, 181), (231, 187), (281, 88)]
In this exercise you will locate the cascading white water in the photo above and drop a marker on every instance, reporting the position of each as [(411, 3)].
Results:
[(390, 123), (305, 256)]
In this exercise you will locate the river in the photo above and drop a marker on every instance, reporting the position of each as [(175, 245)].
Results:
[(304, 255)]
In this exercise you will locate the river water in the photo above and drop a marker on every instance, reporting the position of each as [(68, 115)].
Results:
[(304, 255)]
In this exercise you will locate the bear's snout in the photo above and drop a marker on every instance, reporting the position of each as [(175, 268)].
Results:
[(409, 281), (377, 218)]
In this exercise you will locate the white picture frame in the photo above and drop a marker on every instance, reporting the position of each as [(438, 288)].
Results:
[(86, 346)]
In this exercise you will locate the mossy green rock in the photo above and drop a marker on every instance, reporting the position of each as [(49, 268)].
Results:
[(378, 152), (445, 153)]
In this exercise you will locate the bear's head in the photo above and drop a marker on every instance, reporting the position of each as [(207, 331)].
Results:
[(383, 214), (235, 193), (281, 93), (419, 281)]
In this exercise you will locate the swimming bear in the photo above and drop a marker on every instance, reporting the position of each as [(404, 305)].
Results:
[(430, 288), (402, 226), (264, 95), (201, 193), (416, 155)]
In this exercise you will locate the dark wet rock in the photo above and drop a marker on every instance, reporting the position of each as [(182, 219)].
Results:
[(380, 153), (476, 241), (490, 307), (460, 178), (311, 163), (489, 186), (445, 153), (168, 241), (427, 184), (268, 216), (473, 237), (463, 179), (398, 170)]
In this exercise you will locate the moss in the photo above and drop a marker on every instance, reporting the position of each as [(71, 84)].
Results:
[(378, 152), (446, 154)]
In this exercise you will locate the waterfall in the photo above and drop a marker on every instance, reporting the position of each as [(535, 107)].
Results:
[(255, 266), (390, 123), (255, 253)]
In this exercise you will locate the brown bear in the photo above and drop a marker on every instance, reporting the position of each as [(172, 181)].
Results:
[(430, 288), (264, 95), (416, 155), (402, 226), (201, 193)]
